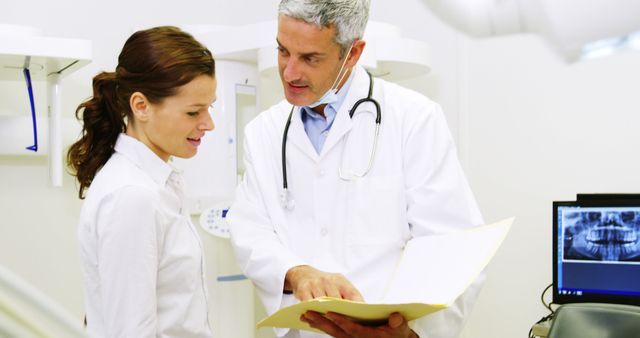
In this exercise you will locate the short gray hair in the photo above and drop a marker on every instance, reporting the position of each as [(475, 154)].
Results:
[(349, 17)]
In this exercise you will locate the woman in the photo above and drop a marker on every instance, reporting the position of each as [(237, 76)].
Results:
[(141, 255)]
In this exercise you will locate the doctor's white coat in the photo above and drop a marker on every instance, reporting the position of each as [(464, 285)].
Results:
[(416, 187)]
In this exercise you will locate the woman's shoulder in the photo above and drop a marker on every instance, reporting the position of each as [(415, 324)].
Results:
[(121, 175)]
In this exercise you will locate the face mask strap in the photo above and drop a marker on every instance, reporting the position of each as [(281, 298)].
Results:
[(330, 95), (339, 78)]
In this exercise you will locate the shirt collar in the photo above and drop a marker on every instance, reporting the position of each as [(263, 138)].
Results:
[(144, 158)]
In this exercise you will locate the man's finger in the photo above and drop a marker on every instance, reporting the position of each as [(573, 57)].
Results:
[(346, 325), (396, 320), (332, 291), (318, 321), (351, 293), (303, 295)]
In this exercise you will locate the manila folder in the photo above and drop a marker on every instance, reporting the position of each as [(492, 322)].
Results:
[(432, 272)]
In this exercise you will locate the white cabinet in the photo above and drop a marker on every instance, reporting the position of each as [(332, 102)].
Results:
[(48, 59)]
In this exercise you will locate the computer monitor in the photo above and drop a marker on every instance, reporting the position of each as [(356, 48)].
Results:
[(596, 249)]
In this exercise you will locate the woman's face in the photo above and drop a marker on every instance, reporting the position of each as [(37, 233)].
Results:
[(176, 125)]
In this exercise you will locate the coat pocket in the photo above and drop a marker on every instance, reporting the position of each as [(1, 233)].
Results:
[(378, 214)]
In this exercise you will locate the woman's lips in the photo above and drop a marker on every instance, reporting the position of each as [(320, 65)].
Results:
[(194, 141)]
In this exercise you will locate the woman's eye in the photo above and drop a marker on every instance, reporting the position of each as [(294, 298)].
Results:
[(192, 113)]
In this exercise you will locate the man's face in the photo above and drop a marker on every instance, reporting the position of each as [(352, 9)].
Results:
[(308, 60)]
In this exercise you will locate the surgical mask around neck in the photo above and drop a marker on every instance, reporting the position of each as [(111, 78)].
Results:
[(331, 95)]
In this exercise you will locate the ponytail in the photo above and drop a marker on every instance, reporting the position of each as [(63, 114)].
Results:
[(103, 120), (154, 62)]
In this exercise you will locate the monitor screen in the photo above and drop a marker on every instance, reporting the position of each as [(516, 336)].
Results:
[(596, 255)]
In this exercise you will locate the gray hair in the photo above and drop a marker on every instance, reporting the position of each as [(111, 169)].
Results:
[(349, 17)]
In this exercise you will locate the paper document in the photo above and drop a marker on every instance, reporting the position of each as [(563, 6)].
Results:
[(432, 272)]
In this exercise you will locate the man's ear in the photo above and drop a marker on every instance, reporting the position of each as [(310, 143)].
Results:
[(356, 52), (139, 105)]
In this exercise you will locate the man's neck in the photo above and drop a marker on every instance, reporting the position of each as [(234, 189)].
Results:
[(320, 110)]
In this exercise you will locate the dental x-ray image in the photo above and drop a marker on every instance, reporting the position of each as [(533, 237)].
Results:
[(602, 234)]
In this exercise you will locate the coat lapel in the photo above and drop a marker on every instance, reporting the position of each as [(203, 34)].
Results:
[(342, 124), (298, 137)]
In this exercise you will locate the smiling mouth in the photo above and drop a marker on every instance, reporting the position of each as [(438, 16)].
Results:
[(194, 141)]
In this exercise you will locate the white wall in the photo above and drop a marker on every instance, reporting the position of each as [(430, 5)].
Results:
[(530, 129), (417, 22), (541, 130)]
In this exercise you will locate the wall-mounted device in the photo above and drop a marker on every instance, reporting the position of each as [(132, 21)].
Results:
[(213, 220)]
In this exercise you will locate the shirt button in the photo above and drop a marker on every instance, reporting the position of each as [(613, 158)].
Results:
[(324, 232), (321, 172)]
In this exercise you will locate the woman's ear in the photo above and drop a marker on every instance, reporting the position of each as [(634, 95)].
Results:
[(139, 105)]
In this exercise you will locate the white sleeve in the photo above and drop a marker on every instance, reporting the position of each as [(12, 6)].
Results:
[(439, 200), (128, 262), (262, 256)]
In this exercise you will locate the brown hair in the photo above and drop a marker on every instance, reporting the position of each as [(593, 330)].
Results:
[(154, 62)]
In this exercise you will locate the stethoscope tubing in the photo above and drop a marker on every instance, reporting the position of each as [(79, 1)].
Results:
[(369, 98)]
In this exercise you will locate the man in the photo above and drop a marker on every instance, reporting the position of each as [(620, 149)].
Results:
[(330, 223)]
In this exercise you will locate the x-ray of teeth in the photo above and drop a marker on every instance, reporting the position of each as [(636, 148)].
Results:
[(602, 235)]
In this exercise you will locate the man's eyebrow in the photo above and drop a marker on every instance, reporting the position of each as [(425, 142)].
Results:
[(310, 54)]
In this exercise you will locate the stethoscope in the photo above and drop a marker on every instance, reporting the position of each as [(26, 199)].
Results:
[(285, 197)]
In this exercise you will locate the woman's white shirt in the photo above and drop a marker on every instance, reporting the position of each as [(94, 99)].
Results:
[(141, 255)]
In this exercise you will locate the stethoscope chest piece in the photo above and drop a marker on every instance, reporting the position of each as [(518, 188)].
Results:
[(287, 202)]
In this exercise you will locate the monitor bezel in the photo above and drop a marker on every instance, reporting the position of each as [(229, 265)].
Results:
[(607, 200)]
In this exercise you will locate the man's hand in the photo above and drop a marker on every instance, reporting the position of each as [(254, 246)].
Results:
[(308, 283), (339, 326)]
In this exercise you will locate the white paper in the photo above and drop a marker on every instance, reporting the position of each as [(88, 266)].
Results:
[(437, 269)]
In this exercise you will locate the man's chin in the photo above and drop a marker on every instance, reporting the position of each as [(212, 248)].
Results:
[(297, 101)]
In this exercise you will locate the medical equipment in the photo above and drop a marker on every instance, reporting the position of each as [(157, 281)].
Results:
[(285, 197), (211, 175), (27, 77), (596, 249), (574, 28), (213, 220), (46, 58)]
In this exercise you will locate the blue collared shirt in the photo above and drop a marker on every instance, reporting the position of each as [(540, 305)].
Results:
[(315, 125)]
